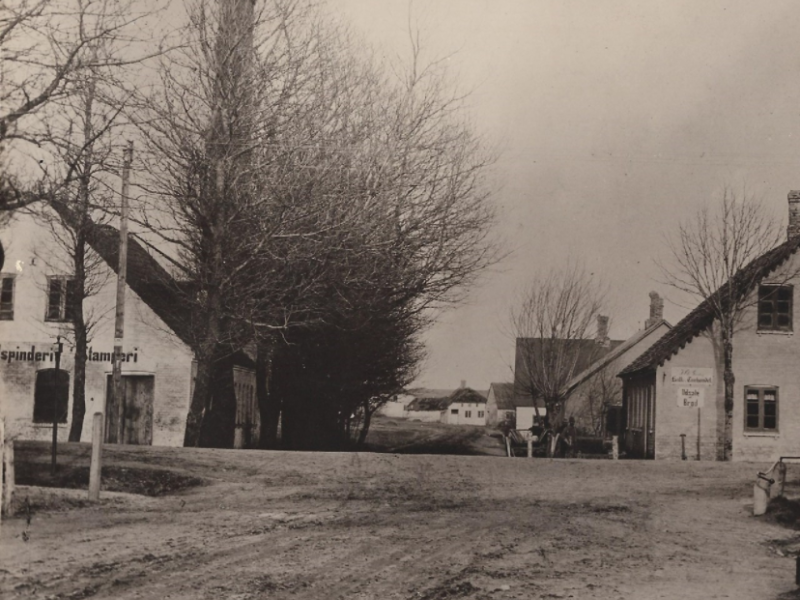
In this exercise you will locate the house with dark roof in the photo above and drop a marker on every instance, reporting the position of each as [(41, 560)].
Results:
[(500, 403), (462, 406), (466, 407), (673, 394), (158, 361), (576, 354), (594, 395)]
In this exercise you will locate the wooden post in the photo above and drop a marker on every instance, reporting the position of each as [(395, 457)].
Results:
[(530, 448), (8, 466), (59, 347), (779, 474), (97, 456), (698, 433), (119, 316), (615, 447)]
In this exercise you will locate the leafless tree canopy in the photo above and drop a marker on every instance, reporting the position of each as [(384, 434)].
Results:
[(50, 50), (553, 322), (297, 181), (709, 256)]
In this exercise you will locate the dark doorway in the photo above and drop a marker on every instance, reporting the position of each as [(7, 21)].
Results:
[(51, 396), (130, 421)]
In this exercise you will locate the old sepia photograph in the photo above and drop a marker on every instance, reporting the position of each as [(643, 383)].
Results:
[(399, 300)]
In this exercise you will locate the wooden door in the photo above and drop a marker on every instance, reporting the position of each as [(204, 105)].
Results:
[(129, 420)]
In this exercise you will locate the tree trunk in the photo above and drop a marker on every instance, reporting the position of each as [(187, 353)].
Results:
[(80, 332), (79, 384), (219, 421), (269, 406), (201, 398), (729, 380), (362, 435)]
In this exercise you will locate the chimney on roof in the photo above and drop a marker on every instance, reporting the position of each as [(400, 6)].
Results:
[(602, 330), (794, 214), (656, 310), (463, 384)]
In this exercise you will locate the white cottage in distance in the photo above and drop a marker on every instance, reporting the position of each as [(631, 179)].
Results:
[(157, 365), (462, 406)]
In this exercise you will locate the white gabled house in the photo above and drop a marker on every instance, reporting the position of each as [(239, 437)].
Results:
[(157, 365)]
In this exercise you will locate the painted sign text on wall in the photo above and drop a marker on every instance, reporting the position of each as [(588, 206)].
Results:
[(691, 397), (690, 385), (46, 354)]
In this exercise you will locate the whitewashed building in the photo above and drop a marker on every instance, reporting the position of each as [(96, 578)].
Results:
[(157, 365)]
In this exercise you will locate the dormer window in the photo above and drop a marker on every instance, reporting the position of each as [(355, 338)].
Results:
[(775, 307)]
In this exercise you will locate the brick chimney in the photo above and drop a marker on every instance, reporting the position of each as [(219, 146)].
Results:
[(794, 214), (656, 310), (463, 384), (602, 330)]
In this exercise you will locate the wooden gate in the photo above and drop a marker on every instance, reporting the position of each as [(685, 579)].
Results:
[(129, 420)]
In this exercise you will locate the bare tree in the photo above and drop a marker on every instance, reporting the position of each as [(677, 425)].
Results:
[(601, 391), (290, 177), (710, 254), (89, 64), (48, 49), (552, 323)]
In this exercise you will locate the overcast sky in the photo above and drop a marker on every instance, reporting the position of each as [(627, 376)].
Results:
[(615, 120)]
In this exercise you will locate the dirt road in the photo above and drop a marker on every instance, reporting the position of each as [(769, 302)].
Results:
[(383, 526)]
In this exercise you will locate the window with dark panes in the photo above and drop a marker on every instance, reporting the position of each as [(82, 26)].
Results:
[(453, 411), (6, 297), (775, 307), (61, 299), (761, 409), (467, 414)]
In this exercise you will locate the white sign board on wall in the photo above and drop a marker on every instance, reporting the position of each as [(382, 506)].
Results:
[(691, 384), (691, 397)]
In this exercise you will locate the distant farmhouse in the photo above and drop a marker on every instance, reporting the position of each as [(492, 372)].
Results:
[(500, 403), (673, 398), (462, 406), (158, 363)]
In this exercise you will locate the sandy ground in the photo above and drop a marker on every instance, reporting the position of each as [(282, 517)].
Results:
[(385, 526)]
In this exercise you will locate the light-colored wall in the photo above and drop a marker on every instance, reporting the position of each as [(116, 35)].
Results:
[(525, 416), (31, 256), (759, 358), (460, 418), (578, 404), (673, 420), (426, 416)]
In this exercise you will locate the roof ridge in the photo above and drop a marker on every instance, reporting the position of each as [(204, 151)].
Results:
[(702, 315)]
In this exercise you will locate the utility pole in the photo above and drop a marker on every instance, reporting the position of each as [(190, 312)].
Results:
[(118, 424), (58, 347)]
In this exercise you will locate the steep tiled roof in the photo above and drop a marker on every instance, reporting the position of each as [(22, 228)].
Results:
[(468, 396), (145, 276), (701, 317), (588, 351), (611, 356), (504, 392), (433, 404)]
